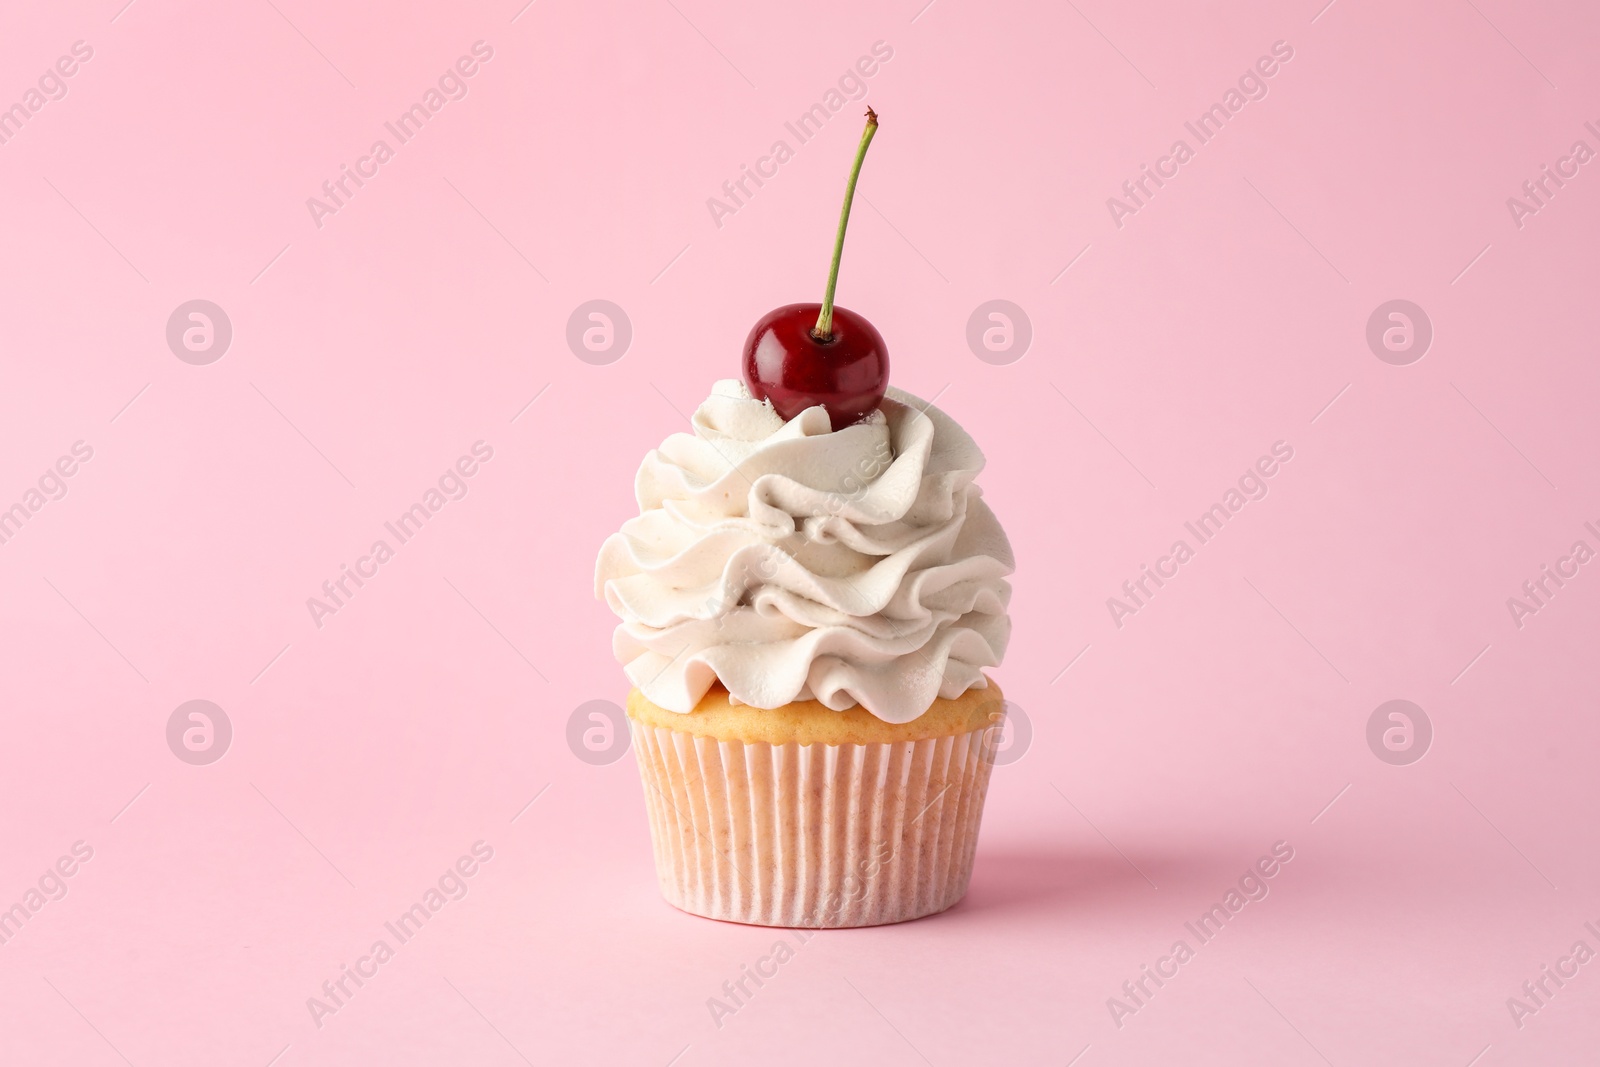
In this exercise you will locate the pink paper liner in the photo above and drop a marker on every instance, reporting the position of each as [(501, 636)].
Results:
[(815, 836)]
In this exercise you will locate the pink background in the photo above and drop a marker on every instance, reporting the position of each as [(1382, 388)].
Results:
[(368, 354)]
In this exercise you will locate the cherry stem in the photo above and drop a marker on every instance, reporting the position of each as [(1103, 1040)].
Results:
[(823, 330)]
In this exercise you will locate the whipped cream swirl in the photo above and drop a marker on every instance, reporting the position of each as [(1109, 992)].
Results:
[(794, 562)]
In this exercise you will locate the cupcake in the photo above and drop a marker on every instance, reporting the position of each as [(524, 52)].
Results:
[(809, 597)]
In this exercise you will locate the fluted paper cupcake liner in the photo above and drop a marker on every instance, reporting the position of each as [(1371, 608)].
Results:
[(813, 835)]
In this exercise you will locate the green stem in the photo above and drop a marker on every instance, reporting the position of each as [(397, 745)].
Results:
[(824, 328)]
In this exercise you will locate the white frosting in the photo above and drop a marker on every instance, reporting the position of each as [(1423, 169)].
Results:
[(794, 562)]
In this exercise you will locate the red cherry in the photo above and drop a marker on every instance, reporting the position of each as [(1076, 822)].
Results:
[(786, 363), (802, 355)]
